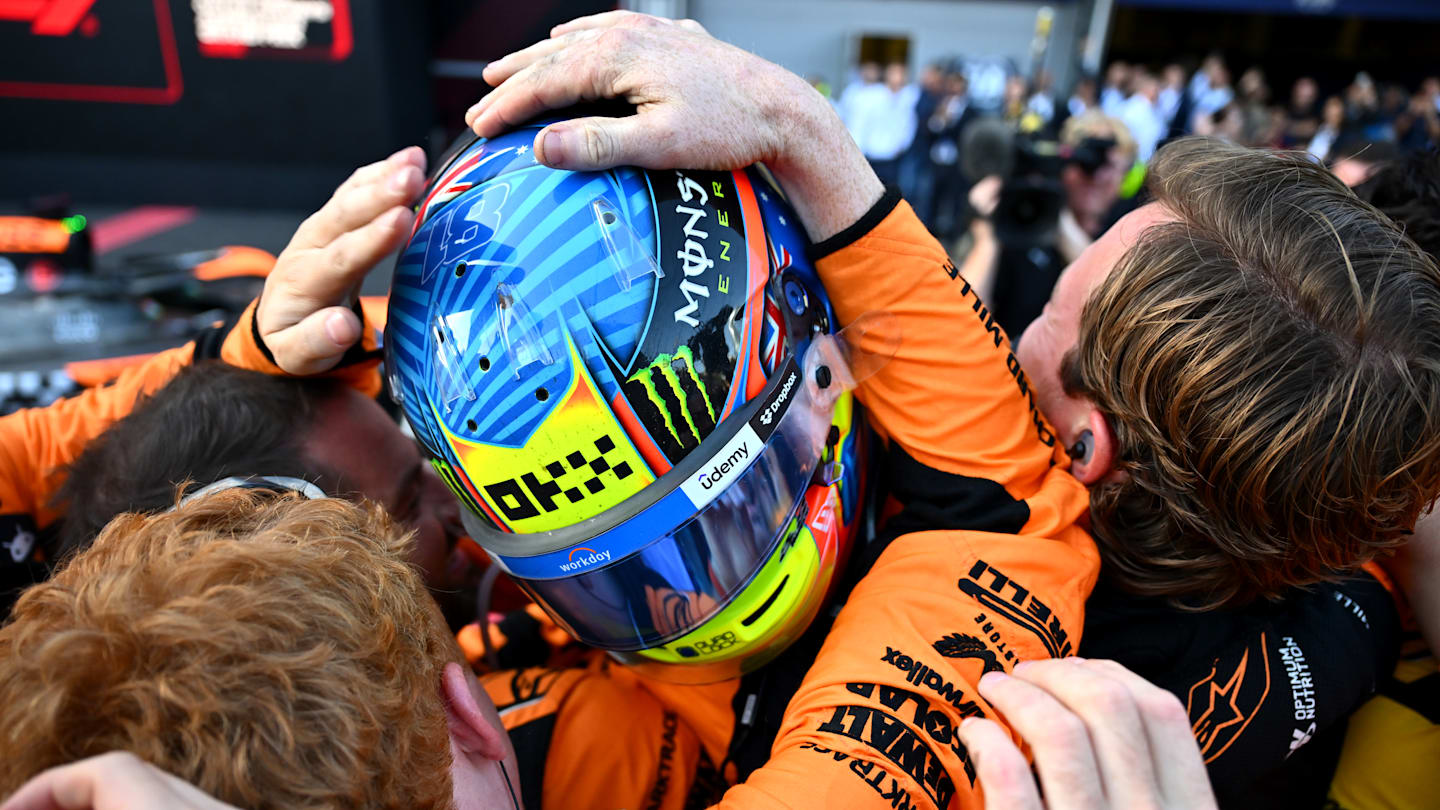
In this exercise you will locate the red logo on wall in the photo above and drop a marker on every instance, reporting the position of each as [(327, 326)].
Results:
[(125, 51), (47, 18), (92, 50)]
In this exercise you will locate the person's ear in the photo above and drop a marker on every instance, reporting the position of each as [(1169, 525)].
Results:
[(1092, 455), (472, 732)]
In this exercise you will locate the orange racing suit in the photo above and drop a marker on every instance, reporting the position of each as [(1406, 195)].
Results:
[(981, 566), (36, 444)]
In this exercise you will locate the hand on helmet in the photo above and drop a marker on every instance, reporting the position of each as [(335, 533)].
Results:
[(699, 103), (118, 780), (305, 315), (675, 75), (1102, 737)]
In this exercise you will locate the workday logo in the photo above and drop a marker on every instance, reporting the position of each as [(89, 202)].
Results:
[(583, 557)]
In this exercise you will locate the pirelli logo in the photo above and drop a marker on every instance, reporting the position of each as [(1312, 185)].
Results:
[(580, 474), (1013, 602), (670, 399)]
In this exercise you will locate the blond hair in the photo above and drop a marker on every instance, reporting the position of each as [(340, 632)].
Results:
[(1270, 364), (275, 652), (1096, 124)]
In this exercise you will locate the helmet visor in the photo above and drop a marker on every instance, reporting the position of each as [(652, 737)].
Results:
[(642, 583)]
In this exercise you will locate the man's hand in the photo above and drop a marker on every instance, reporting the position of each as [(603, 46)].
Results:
[(305, 315), (1103, 737), (115, 781), (699, 104)]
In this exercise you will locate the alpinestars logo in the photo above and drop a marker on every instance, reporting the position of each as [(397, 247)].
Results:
[(959, 645), (1222, 704)]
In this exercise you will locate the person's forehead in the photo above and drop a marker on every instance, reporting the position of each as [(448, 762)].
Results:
[(354, 436)]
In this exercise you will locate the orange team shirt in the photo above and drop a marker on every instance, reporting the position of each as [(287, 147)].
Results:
[(983, 566), (37, 443)]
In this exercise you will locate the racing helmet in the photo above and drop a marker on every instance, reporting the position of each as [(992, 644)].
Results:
[(631, 381)]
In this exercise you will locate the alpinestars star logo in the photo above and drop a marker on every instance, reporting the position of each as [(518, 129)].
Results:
[(960, 645)]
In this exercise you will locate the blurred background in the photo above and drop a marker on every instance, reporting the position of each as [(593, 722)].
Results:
[(140, 138)]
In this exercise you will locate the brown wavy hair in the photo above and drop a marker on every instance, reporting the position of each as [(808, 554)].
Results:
[(1270, 364), (275, 652)]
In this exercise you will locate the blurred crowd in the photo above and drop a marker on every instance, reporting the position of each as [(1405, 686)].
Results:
[(914, 132), (1027, 177)]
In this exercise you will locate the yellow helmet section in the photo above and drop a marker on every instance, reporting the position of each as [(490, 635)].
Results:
[(579, 463), (774, 597)]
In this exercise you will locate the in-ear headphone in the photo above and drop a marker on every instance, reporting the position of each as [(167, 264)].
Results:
[(1080, 450)]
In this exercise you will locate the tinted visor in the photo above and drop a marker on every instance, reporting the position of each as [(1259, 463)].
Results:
[(671, 584)]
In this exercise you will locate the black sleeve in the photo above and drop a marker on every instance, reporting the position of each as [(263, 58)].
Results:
[(1264, 683)]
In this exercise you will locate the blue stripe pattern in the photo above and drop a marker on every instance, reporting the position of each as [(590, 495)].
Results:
[(530, 237)]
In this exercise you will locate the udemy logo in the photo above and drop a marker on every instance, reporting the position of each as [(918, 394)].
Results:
[(715, 475), (593, 557), (723, 468)]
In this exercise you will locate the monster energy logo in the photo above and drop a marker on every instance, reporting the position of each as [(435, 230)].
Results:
[(675, 406)]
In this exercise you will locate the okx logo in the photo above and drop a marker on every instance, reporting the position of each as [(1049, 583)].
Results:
[(524, 497), (670, 398)]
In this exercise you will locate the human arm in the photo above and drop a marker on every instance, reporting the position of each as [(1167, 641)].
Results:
[(1070, 238), (979, 264), (983, 558), (303, 314), (767, 114), (118, 780), (980, 567), (1261, 683)]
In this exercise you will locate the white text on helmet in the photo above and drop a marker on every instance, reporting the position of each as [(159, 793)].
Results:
[(693, 254), (768, 415), (585, 562)]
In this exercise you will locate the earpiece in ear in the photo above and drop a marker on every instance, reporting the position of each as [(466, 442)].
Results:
[(1080, 450)]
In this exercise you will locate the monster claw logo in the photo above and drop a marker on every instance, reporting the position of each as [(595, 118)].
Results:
[(671, 399)]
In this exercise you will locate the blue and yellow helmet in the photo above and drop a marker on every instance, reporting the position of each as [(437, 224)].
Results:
[(629, 379)]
